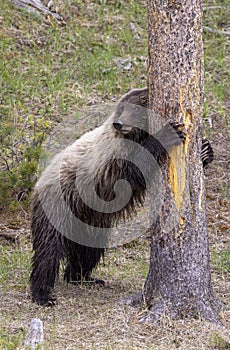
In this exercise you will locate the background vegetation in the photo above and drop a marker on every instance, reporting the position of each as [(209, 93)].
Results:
[(49, 72)]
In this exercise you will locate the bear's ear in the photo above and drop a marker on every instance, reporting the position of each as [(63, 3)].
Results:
[(137, 97)]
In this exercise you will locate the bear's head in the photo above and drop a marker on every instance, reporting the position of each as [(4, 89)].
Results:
[(130, 119)]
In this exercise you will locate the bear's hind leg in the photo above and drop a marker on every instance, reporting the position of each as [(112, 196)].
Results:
[(45, 269), (81, 260)]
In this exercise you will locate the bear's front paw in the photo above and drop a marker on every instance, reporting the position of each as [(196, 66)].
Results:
[(180, 132)]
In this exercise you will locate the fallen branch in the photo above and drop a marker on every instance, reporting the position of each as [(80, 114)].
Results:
[(216, 31), (37, 7), (206, 8), (10, 236), (34, 338)]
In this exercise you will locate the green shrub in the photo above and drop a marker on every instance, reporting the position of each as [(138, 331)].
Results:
[(21, 140)]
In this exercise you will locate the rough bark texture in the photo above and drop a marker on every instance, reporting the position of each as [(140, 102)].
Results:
[(179, 280)]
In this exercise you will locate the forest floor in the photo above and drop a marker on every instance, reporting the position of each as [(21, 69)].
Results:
[(45, 76)]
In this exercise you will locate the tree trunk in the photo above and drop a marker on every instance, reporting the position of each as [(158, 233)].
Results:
[(179, 281)]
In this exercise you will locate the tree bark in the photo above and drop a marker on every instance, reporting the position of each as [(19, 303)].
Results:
[(179, 280)]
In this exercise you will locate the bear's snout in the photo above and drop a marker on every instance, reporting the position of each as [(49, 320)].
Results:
[(118, 125)]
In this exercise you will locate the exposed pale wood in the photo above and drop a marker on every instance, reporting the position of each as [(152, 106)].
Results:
[(179, 280)]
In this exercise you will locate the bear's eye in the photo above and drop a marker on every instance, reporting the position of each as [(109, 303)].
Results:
[(120, 109), (137, 108)]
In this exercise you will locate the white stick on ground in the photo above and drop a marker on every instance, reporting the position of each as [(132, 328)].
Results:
[(34, 337)]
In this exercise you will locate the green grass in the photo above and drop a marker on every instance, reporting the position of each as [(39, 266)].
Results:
[(48, 73), (15, 266), (10, 341), (217, 65), (221, 261), (51, 62), (219, 343)]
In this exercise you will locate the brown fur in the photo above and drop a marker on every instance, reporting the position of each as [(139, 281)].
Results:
[(64, 225)]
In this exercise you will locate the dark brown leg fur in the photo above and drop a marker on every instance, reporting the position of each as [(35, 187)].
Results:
[(45, 266), (207, 154), (49, 248), (81, 260)]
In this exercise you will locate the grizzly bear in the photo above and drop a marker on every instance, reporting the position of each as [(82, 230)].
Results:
[(89, 187)]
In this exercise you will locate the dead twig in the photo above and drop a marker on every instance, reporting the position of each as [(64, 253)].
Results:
[(216, 31), (37, 7), (34, 337), (206, 8), (11, 236)]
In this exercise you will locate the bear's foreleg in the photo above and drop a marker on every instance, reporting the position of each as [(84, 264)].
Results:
[(207, 154), (172, 134)]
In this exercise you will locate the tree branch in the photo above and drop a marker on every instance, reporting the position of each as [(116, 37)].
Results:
[(216, 31), (39, 8), (206, 8)]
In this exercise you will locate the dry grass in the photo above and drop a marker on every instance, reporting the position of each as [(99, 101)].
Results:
[(96, 318)]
